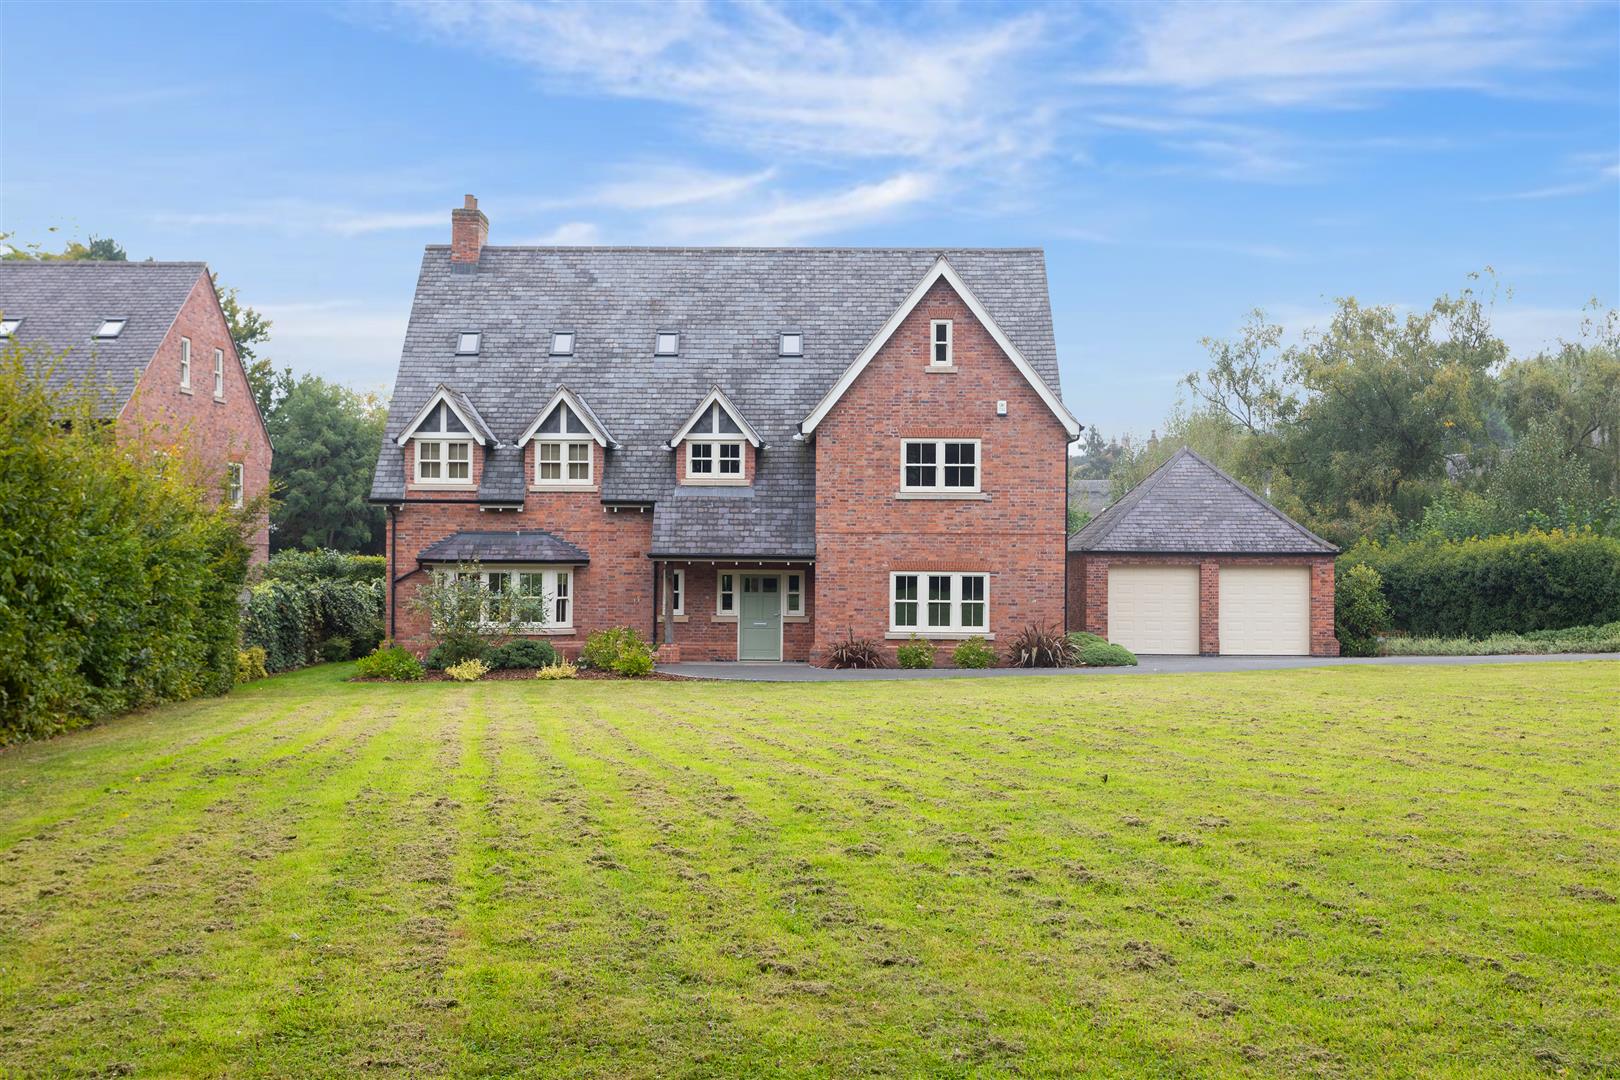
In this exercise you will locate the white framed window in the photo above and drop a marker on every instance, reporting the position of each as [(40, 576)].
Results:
[(233, 484), (185, 363), (793, 594), (111, 328), (562, 343), (562, 453), (441, 457), (792, 344), (550, 589), (219, 373), (945, 603), (725, 593), (467, 342), (714, 447), (8, 327), (677, 592), (667, 343), (939, 344), (939, 464)]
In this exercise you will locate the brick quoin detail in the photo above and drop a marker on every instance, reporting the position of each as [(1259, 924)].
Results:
[(863, 532), (214, 431), (1088, 592)]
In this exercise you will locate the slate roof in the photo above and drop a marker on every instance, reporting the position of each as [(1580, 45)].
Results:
[(61, 304), (729, 306), (524, 545), (1188, 506)]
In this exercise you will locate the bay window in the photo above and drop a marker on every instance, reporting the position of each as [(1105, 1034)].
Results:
[(545, 594), (943, 603)]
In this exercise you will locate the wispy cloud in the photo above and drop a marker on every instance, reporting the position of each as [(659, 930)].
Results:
[(302, 216), (571, 233), (1596, 175), (787, 220)]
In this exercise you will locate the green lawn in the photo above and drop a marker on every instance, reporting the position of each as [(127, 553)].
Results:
[(1336, 872)]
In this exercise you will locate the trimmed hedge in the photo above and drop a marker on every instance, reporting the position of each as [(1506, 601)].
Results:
[(1498, 584), (315, 606)]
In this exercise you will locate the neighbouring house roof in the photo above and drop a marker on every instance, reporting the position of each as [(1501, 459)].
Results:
[(1091, 495), (523, 546), (1188, 506), (729, 306), (61, 305)]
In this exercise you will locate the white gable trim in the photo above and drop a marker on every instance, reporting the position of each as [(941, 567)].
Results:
[(941, 269), (473, 423), (716, 395), (567, 397)]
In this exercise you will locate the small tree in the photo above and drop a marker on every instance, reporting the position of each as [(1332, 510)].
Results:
[(467, 616), (1360, 611)]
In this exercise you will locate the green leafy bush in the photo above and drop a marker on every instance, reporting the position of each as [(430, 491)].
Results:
[(1594, 639), (1104, 654), (303, 566), (1040, 646), (447, 654), (389, 662), (854, 652), (308, 598), (1081, 638), (916, 653), (467, 670), (562, 669), (1478, 587), (521, 653), (250, 664), (1360, 612), (618, 649), (975, 652), (335, 649), (119, 577)]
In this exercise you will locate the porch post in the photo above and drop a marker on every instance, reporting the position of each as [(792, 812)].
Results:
[(669, 609)]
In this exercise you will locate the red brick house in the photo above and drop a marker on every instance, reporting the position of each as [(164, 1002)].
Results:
[(1192, 562), (150, 339), (742, 453)]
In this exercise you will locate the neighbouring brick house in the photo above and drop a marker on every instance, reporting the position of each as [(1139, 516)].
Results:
[(1191, 561), (743, 453), (151, 341)]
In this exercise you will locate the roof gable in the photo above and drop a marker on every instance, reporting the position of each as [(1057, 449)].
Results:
[(458, 404), (580, 409), (717, 397), (1189, 506), (941, 269)]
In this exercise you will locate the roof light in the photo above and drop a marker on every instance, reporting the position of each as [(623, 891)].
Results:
[(111, 328), (562, 343), (467, 343), (668, 344), (793, 344), (9, 327)]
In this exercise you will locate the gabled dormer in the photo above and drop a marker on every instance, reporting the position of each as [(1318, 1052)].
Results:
[(439, 440), (716, 445), (570, 444)]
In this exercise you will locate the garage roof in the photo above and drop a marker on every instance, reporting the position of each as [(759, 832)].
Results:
[(1188, 506)]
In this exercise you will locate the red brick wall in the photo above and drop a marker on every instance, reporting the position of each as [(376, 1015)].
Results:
[(1088, 592), (863, 532), (215, 431), (703, 635)]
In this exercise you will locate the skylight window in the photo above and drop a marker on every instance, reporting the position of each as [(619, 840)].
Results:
[(669, 344), (467, 343), (111, 328), (792, 344), (8, 327), (562, 343)]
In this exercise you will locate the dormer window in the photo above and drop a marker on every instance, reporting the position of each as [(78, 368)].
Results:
[(443, 448), (667, 344), (8, 327), (562, 454), (467, 343), (110, 328), (562, 343), (940, 354), (792, 344), (714, 447)]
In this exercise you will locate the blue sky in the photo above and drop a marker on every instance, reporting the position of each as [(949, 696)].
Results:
[(1180, 164)]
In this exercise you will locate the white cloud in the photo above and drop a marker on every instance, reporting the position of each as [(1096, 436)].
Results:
[(1605, 175), (663, 186), (346, 340), (303, 216), (791, 220), (569, 233)]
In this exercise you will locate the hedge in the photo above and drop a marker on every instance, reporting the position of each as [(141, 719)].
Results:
[(314, 606), (1497, 584), (119, 575)]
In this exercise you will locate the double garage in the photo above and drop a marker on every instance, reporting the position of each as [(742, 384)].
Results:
[(1191, 562)]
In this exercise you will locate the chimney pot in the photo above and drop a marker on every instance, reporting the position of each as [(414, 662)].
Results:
[(469, 231)]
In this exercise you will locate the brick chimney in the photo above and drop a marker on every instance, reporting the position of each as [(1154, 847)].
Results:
[(469, 230)]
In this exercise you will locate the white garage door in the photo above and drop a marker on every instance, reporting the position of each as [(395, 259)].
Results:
[(1154, 609), (1266, 610)]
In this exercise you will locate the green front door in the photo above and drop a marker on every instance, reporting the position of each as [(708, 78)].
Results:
[(759, 619)]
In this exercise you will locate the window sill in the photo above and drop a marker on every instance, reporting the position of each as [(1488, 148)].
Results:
[(716, 482), (795, 618), (531, 630), (935, 496), (186, 390), (937, 635), (678, 618), (723, 618), (428, 485), (564, 487), (219, 399), (941, 369)]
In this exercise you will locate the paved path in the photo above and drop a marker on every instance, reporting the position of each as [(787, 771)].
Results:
[(1150, 665)]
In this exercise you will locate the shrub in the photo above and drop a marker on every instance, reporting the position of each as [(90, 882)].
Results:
[(1604, 639), (467, 670), (445, 655), (389, 662), (1040, 646), (1081, 638), (1360, 612), (250, 664), (466, 615), (305, 566), (618, 649), (562, 669), (975, 652), (292, 617), (120, 576), (854, 652), (521, 653), (335, 649), (1477, 587), (916, 653), (1105, 654)]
